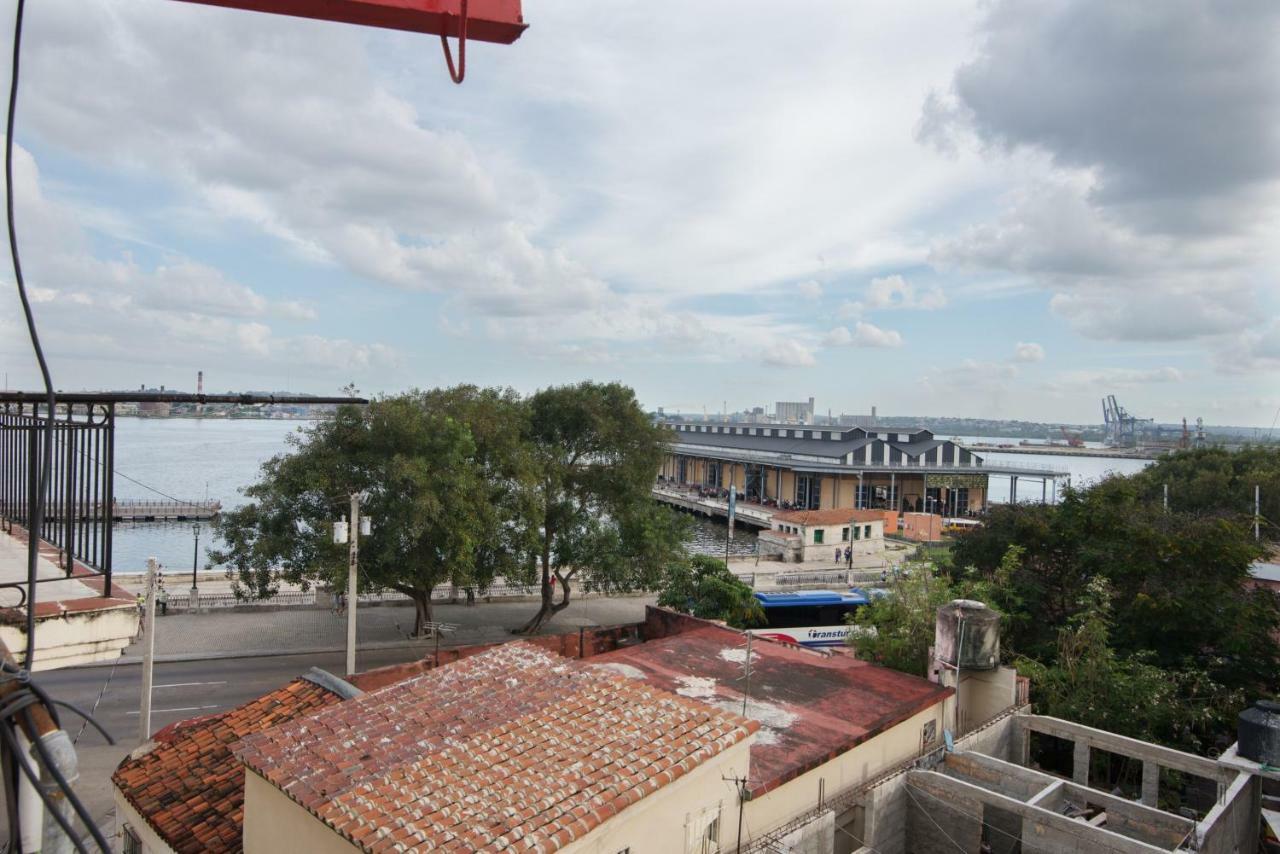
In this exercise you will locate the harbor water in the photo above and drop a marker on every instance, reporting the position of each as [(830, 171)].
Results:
[(194, 459)]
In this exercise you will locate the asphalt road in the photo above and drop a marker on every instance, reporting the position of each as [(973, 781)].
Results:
[(181, 690)]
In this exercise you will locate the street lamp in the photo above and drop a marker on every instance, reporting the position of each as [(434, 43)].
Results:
[(350, 533), (195, 561)]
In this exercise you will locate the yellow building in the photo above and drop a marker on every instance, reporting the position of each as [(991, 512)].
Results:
[(905, 469)]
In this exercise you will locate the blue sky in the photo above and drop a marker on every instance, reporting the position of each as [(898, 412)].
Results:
[(980, 209)]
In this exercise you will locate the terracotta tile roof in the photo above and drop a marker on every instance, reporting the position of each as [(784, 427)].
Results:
[(513, 744), (828, 517), (187, 783), (811, 706)]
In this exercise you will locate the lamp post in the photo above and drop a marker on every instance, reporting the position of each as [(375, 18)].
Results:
[(195, 562), (349, 533)]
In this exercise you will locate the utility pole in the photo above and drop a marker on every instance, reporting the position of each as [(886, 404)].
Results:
[(1257, 511), (353, 563), (1166, 498), (148, 651)]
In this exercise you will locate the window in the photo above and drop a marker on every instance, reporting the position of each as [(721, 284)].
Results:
[(129, 842), (856, 532), (817, 536), (702, 832), (928, 734), (844, 535), (866, 533)]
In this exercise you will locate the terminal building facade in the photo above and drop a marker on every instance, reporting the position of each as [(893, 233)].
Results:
[(904, 469)]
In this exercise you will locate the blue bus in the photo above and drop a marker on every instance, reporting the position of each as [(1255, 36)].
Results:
[(814, 618)]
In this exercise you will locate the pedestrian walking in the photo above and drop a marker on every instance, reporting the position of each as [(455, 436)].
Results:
[(162, 599), (837, 554), (471, 596), (848, 556)]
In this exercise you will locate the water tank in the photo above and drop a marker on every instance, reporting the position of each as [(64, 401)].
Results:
[(967, 635), (1258, 732)]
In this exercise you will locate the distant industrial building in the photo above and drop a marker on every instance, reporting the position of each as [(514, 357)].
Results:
[(794, 412)]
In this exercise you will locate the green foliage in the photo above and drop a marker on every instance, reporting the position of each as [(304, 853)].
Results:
[(896, 630), (1218, 481), (704, 587), (594, 453), (1177, 626), (1090, 682), (422, 478)]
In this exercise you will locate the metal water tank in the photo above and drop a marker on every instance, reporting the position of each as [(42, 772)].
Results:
[(967, 635), (1258, 731)]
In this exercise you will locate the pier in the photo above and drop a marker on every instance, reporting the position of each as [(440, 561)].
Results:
[(140, 510), (743, 513), (1068, 451)]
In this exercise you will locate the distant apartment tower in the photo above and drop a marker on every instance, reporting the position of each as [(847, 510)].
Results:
[(794, 412)]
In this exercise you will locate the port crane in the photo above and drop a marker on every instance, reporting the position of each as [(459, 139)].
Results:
[(1122, 429)]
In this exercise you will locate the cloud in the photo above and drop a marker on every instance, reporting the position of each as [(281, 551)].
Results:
[(1171, 106), (179, 313), (1252, 351), (1111, 378), (811, 289), (896, 292), (1028, 352), (863, 335), (1145, 147), (788, 354)]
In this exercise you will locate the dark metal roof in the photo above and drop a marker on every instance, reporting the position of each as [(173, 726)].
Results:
[(168, 397), (776, 444)]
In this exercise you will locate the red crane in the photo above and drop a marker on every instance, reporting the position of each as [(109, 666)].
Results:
[(497, 21)]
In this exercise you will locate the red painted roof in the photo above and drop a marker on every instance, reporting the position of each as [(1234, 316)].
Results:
[(828, 517), (187, 784), (811, 706), (515, 743)]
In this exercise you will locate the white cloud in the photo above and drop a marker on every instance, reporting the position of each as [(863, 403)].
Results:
[(896, 292), (1028, 352), (180, 313), (1101, 380), (810, 289), (863, 335), (788, 354)]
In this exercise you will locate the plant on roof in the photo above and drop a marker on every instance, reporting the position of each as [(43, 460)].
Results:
[(704, 587)]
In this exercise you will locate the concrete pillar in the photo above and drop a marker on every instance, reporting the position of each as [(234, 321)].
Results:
[(1080, 763), (1151, 783), (1013, 489)]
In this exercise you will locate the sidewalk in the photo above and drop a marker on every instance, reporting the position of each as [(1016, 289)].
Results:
[(243, 634)]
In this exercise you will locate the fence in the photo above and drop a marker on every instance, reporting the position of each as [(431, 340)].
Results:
[(79, 484)]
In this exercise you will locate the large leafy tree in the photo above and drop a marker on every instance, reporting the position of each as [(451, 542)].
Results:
[(1178, 600), (704, 587), (594, 453), (423, 482)]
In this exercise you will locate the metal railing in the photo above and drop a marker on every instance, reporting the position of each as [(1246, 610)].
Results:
[(79, 484)]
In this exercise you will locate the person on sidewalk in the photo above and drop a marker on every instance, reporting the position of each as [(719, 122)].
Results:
[(162, 599), (848, 556)]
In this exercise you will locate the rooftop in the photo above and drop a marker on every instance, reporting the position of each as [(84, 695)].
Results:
[(828, 517), (513, 743), (187, 784), (819, 705)]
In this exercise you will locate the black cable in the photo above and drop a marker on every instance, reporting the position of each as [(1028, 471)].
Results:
[(37, 505)]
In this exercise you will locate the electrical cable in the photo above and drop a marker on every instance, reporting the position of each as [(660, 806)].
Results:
[(37, 504), (28, 694)]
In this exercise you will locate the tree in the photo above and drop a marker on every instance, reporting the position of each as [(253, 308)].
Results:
[(1177, 599), (422, 483), (896, 630), (1217, 481), (704, 587), (595, 454)]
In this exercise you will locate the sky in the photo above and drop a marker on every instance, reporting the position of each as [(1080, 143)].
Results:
[(1001, 209)]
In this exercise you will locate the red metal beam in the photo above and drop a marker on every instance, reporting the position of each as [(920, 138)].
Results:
[(498, 21)]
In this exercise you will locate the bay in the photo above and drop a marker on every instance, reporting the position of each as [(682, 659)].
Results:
[(194, 459)]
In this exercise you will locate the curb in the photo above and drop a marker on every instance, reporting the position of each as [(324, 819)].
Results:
[(169, 658)]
